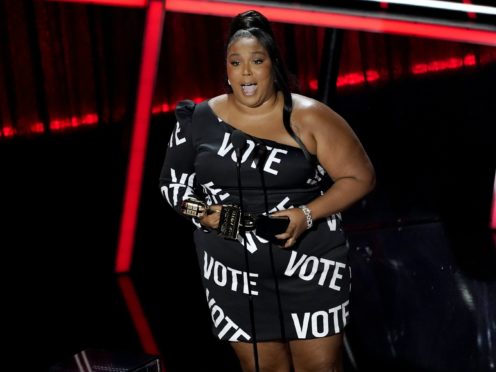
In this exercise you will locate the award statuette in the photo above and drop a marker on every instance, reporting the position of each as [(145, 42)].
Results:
[(230, 220), (230, 216), (193, 208)]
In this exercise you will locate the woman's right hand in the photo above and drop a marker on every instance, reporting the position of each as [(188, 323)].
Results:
[(212, 217)]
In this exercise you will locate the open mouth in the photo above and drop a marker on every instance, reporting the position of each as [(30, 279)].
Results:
[(249, 88)]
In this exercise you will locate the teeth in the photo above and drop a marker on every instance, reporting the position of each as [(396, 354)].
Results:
[(248, 89)]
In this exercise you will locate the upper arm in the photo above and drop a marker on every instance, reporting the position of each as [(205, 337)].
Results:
[(177, 176), (337, 147)]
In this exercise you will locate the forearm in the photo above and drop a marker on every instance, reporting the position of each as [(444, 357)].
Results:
[(341, 195)]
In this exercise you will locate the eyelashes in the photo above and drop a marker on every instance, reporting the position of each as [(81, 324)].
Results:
[(257, 61)]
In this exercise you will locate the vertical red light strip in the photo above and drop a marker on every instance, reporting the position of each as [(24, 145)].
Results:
[(493, 213), (149, 62), (137, 315)]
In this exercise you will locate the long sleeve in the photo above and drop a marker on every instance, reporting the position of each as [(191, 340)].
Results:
[(178, 178)]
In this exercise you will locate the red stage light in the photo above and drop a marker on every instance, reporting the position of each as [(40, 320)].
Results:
[(8, 131), (493, 213), (38, 127), (149, 62), (137, 314), (130, 3), (471, 15), (334, 19)]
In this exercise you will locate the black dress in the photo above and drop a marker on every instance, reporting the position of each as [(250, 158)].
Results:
[(297, 293)]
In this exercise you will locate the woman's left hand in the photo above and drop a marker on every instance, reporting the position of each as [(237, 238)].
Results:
[(297, 225)]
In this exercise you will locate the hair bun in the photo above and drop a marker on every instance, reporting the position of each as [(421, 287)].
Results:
[(250, 19)]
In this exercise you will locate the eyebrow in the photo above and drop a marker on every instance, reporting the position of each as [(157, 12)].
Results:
[(256, 52)]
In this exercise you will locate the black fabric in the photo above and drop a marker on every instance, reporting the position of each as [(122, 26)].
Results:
[(313, 276)]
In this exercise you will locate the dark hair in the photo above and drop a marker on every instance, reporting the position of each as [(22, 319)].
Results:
[(254, 24)]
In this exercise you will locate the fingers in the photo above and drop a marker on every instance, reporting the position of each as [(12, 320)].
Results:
[(212, 217), (290, 236), (289, 239), (290, 242), (214, 209)]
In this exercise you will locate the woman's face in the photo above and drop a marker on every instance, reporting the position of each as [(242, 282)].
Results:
[(249, 70)]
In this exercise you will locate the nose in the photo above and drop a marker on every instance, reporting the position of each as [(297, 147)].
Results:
[(246, 69)]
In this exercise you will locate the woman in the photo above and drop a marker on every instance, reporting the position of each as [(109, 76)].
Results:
[(281, 305)]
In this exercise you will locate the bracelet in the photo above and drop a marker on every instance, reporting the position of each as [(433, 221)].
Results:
[(308, 215)]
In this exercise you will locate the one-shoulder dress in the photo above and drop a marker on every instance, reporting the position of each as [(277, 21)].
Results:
[(296, 293)]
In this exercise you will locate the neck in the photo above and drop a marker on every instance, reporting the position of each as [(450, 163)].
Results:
[(268, 106)]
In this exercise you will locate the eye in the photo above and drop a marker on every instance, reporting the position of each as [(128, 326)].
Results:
[(235, 63), (258, 61)]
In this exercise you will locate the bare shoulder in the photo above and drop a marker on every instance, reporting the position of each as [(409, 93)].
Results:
[(311, 114), (218, 103)]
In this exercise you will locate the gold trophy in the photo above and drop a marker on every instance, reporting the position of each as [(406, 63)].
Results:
[(230, 216), (193, 207)]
